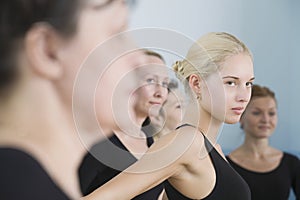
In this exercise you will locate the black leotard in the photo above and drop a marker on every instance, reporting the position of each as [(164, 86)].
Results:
[(93, 173), (229, 184), (22, 177), (275, 184)]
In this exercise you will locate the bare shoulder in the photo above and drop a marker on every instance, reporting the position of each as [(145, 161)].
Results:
[(178, 145), (190, 142)]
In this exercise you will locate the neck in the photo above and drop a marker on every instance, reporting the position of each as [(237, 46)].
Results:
[(138, 118), (255, 146), (203, 120), (132, 125), (35, 120)]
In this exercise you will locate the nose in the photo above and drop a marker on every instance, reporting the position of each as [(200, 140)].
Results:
[(243, 94), (265, 117), (160, 91)]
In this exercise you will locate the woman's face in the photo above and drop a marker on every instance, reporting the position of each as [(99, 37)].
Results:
[(260, 118), (103, 67), (95, 26), (152, 90), (226, 93)]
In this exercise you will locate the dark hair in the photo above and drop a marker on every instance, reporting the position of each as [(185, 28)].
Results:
[(262, 91), (18, 16)]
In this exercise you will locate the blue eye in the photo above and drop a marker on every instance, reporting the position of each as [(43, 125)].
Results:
[(150, 80)]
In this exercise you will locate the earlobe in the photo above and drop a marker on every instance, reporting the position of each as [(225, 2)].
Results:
[(41, 46)]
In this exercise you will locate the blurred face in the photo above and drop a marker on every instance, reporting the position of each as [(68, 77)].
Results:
[(152, 89), (229, 89), (98, 71), (114, 89), (95, 25), (173, 109), (260, 118)]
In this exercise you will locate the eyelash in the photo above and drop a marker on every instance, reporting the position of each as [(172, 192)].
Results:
[(178, 107), (153, 81), (230, 83), (248, 84), (150, 80), (270, 113)]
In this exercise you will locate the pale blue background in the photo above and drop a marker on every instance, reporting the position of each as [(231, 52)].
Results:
[(270, 28)]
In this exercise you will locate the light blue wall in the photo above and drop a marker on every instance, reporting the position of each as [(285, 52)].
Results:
[(271, 29)]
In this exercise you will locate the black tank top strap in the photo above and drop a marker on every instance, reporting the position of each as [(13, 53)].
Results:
[(183, 125), (208, 144)]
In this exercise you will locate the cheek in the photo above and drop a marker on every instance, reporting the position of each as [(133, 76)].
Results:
[(250, 121), (274, 121), (215, 100), (177, 115), (147, 91)]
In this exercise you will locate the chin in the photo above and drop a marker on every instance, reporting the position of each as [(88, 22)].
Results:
[(232, 120)]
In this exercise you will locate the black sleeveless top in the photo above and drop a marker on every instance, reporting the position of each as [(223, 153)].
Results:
[(229, 184), (275, 184), (23, 177), (112, 157)]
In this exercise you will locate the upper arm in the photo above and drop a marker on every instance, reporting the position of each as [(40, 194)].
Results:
[(165, 158)]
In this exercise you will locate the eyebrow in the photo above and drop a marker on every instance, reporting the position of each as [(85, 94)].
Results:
[(234, 77), (270, 108)]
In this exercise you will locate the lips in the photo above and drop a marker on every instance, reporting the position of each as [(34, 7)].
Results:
[(154, 103), (238, 110), (264, 127)]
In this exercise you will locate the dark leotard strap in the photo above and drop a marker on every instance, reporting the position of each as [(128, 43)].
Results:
[(183, 125)]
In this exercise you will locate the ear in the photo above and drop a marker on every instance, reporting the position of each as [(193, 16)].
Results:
[(41, 46), (195, 83)]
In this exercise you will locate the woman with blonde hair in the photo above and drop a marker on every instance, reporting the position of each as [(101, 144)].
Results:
[(218, 73)]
